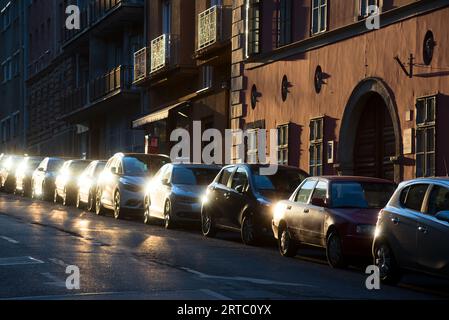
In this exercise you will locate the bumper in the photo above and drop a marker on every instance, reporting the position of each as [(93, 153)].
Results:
[(275, 229), (186, 211), (131, 200), (357, 245)]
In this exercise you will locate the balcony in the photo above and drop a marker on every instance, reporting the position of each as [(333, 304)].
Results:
[(96, 12), (160, 53), (108, 90), (214, 29)]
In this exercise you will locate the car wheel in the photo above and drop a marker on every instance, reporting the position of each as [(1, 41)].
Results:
[(146, 214), (117, 206), (168, 218), (33, 193), (79, 204), (208, 224), (65, 199), (249, 231), (91, 203), (334, 251), (287, 246), (384, 259), (56, 197), (99, 209)]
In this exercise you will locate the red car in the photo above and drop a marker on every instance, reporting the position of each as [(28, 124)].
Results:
[(335, 213)]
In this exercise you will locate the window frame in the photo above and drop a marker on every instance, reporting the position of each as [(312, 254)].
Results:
[(326, 17), (253, 27), (284, 147), (316, 141), (285, 13), (425, 125), (428, 197), (253, 152)]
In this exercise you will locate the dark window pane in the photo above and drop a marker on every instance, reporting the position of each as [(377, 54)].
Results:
[(438, 200), (415, 197)]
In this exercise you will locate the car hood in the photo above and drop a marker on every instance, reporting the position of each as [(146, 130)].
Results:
[(136, 180), (357, 216), (274, 196), (188, 190)]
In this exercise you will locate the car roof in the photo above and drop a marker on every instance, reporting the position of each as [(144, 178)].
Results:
[(195, 166), (258, 166), (141, 154), (444, 180), (353, 178)]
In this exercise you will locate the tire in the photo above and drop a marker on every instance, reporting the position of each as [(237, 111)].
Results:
[(79, 204), (56, 197), (33, 193), (249, 232), (208, 227), (384, 259), (91, 202), (99, 209), (65, 200), (334, 251), (287, 246), (118, 214), (146, 214), (168, 218)]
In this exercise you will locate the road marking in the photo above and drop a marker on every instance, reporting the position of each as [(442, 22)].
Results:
[(55, 281), (246, 279), (58, 262), (19, 261), (9, 240), (72, 296), (214, 294)]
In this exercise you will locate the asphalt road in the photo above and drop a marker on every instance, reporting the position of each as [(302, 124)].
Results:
[(129, 260)]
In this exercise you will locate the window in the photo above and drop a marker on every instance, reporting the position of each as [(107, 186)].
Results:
[(412, 197), (319, 16), (425, 137), (166, 16), (253, 26), (206, 77), (316, 147), (225, 175), (364, 7), (6, 16), (284, 22), (320, 191), (283, 132), (252, 153), (239, 179), (438, 200), (304, 193), (7, 70), (16, 124)]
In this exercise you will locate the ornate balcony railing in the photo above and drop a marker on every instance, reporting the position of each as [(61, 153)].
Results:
[(160, 52), (213, 25), (141, 59)]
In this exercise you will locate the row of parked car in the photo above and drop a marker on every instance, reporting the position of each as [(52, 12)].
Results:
[(403, 227)]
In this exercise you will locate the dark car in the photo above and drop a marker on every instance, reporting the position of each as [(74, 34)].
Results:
[(43, 180), (24, 174), (121, 186), (241, 199), (87, 185), (175, 193), (66, 183), (413, 230), (335, 213), (8, 168)]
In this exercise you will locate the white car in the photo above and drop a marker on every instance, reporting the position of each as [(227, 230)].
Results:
[(87, 185), (122, 183)]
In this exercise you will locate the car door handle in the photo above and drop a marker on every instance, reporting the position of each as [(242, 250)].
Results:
[(423, 230), (395, 221), (289, 207)]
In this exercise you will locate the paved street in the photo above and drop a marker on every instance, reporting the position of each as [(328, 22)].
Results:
[(129, 260)]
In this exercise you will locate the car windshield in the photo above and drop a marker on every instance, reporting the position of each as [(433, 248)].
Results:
[(33, 163), (284, 181), (194, 176), (54, 165), (78, 166), (361, 195), (134, 166)]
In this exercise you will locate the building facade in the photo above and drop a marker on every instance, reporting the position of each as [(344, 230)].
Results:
[(184, 69), (13, 54), (345, 96)]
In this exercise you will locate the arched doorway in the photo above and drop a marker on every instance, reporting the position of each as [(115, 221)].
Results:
[(375, 141), (370, 141)]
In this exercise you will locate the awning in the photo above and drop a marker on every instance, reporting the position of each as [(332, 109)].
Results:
[(157, 115)]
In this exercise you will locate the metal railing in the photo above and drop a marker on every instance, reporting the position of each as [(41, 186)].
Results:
[(213, 25), (160, 52), (141, 59)]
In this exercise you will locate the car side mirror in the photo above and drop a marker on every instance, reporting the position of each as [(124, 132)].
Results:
[(319, 202), (165, 182), (443, 216), (40, 169), (240, 188)]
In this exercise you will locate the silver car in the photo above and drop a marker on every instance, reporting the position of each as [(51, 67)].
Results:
[(175, 193), (87, 185), (412, 232), (122, 183)]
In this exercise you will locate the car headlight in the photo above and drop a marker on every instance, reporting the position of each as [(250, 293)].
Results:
[(366, 229), (278, 211)]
